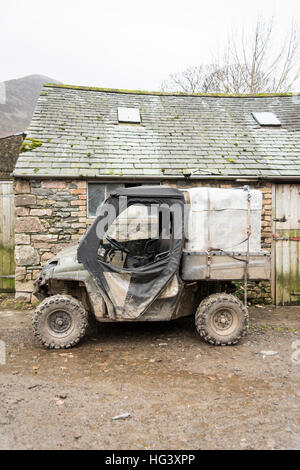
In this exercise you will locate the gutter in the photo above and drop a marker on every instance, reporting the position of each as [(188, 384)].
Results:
[(161, 177)]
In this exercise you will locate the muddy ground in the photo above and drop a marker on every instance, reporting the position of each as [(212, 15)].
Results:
[(180, 392)]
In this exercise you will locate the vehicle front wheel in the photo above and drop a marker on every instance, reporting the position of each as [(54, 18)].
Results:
[(221, 319), (60, 321)]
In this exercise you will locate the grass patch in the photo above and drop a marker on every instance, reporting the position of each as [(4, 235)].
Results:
[(281, 329), (7, 302)]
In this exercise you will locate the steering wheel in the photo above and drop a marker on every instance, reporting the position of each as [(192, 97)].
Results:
[(148, 246), (117, 245)]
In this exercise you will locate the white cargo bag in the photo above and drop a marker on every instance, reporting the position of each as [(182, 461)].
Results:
[(218, 219)]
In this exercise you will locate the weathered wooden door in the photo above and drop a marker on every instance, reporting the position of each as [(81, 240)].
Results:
[(7, 217), (287, 244)]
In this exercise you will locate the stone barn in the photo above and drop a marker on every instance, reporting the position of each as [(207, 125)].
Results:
[(84, 142)]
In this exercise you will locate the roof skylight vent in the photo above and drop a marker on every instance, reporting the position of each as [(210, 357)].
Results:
[(129, 115), (266, 119)]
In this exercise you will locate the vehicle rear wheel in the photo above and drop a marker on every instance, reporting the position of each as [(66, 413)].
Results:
[(60, 321), (221, 319)]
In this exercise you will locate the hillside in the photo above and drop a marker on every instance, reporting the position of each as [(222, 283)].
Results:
[(17, 102)]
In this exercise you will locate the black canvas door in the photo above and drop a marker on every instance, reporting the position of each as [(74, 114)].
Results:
[(150, 241)]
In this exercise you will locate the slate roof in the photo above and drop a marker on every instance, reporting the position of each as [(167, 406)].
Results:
[(79, 135)]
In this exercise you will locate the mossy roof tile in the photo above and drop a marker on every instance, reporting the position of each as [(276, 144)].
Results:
[(78, 127)]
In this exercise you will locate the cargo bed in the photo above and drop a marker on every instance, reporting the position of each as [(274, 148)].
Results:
[(218, 265)]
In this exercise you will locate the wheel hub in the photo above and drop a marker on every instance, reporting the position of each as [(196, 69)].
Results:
[(59, 321), (223, 319)]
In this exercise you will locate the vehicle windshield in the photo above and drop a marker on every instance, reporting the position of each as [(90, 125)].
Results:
[(134, 238)]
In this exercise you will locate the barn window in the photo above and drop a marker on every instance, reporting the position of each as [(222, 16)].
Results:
[(129, 115), (98, 192), (266, 119)]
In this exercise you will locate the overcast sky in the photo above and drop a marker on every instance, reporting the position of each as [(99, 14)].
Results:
[(122, 44)]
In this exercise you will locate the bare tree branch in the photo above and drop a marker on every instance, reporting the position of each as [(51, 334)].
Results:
[(249, 63)]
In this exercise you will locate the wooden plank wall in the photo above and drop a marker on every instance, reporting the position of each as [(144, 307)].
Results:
[(287, 244), (7, 218)]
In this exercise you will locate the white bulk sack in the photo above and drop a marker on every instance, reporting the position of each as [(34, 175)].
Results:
[(218, 218)]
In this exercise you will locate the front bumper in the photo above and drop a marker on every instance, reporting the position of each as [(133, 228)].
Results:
[(43, 279)]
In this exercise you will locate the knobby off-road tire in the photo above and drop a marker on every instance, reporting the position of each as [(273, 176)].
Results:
[(60, 321), (221, 319)]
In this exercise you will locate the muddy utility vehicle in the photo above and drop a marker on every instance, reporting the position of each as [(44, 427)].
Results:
[(157, 253)]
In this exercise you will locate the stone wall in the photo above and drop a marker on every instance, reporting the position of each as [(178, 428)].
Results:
[(50, 215), (9, 151)]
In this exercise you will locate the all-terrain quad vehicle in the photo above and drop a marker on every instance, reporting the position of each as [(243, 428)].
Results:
[(155, 253)]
